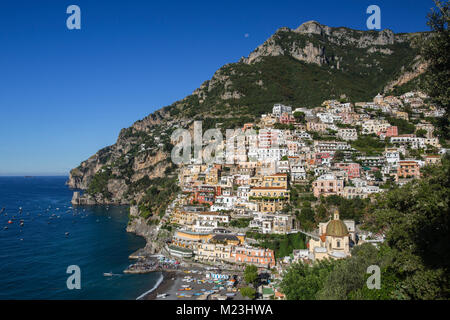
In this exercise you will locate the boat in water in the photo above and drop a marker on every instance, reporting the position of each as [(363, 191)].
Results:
[(108, 274)]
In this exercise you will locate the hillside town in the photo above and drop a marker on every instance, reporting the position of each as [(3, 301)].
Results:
[(340, 149)]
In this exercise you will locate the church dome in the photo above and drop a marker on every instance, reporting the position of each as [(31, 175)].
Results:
[(336, 228)]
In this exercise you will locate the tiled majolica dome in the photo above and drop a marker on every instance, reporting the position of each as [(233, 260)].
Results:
[(336, 228)]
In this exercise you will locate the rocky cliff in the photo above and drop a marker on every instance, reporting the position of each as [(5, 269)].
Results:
[(139, 226), (309, 41)]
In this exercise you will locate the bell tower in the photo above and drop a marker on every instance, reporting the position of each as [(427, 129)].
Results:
[(336, 214)]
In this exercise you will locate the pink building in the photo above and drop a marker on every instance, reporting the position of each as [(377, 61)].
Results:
[(352, 169), (293, 147), (327, 185), (287, 118), (391, 131), (267, 138)]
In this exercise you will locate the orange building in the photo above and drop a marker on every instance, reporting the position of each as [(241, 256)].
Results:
[(259, 257), (408, 169)]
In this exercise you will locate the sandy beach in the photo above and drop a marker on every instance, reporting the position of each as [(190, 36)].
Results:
[(173, 282), (170, 283)]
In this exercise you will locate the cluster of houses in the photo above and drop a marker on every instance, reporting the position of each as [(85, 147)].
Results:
[(307, 146)]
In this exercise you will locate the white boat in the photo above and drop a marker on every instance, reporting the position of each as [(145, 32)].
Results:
[(108, 274)]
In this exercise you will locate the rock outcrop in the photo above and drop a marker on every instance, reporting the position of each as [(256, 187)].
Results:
[(307, 45), (140, 227), (418, 68)]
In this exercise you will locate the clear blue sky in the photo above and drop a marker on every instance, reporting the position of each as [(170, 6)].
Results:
[(64, 94)]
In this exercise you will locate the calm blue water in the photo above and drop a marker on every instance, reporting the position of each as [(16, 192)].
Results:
[(34, 258)]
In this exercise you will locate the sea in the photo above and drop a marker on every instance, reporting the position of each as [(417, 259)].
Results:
[(35, 256)]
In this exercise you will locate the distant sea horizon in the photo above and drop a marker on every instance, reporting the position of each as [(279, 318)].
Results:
[(54, 235), (14, 175)]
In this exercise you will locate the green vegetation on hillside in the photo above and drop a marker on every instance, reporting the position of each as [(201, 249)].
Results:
[(240, 223), (414, 260), (369, 145), (99, 183), (158, 197), (284, 79), (282, 245)]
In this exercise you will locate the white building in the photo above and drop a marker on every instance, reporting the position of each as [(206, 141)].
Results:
[(278, 109), (223, 203), (298, 173), (347, 134), (243, 192)]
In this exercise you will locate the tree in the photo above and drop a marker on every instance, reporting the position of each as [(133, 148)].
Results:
[(378, 175), (338, 156), (251, 274), (421, 133), (415, 221), (348, 279), (248, 292), (303, 282), (434, 50), (299, 117)]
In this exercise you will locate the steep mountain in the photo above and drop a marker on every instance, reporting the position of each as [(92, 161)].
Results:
[(300, 67)]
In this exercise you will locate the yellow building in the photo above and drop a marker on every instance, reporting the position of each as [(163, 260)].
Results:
[(278, 180), (269, 199), (212, 252), (189, 239), (183, 217), (316, 126), (268, 120), (401, 115), (218, 248), (212, 176), (432, 159)]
